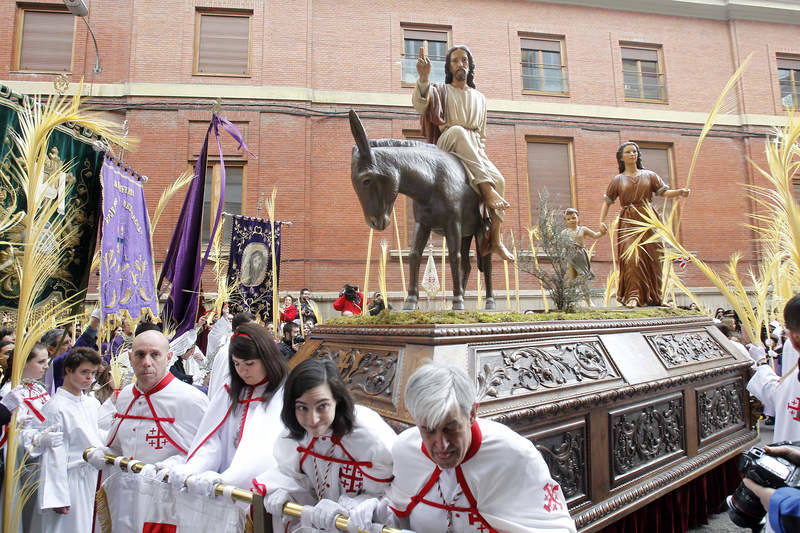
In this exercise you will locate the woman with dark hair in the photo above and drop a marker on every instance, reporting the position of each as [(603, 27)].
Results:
[(235, 439), (639, 278), (333, 454)]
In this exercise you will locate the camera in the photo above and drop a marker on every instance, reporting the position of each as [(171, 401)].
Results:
[(351, 293), (744, 507), (298, 340)]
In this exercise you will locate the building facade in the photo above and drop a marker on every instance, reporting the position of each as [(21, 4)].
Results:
[(566, 81)]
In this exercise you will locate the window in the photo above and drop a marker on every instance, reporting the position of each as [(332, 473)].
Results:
[(44, 40), (234, 182), (543, 68), (222, 44), (789, 80), (643, 74), (658, 158), (550, 167), (435, 45)]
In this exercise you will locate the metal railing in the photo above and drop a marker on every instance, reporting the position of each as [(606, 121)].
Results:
[(262, 522)]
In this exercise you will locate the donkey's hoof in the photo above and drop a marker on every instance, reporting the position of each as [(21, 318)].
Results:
[(458, 304), (491, 305), (410, 304)]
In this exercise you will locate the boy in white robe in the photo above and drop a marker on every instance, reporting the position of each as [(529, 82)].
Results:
[(66, 482), (454, 472), (783, 393)]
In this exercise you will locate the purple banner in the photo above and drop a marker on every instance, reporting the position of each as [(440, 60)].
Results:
[(184, 264), (127, 279), (251, 265)]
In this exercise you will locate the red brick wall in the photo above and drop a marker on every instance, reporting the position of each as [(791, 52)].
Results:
[(356, 46)]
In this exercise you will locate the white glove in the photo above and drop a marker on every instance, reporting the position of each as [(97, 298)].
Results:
[(305, 517), (757, 353), (361, 515), (49, 438), (177, 476), (203, 483), (275, 500), (148, 471), (325, 512), (14, 398), (97, 457)]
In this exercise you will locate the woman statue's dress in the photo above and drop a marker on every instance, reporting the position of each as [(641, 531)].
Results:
[(638, 280)]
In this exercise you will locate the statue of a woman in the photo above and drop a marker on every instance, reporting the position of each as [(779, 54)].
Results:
[(639, 281)]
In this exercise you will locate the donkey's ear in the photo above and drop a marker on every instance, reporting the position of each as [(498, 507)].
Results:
[(360, 136)]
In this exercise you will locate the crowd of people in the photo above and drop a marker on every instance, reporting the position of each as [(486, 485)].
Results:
[(292, 436)]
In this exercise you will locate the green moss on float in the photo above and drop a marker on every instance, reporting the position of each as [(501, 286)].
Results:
[(474, 317)]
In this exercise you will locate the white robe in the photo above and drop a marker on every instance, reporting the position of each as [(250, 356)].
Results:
[(782, 396), (65, 479), (219, 338), (502, 473), (464, 133), (358, 464), (30, 420), (157, 425), (238, 444)]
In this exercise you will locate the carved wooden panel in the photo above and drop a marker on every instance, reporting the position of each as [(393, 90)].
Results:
[(646, 435), (529, 367), (564, 450), (720, 409), (369, 373), (680, 349)]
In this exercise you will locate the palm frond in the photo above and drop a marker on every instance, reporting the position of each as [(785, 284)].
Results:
[(180, 182)]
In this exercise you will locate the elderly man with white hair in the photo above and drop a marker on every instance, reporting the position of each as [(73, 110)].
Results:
[(455, 472)]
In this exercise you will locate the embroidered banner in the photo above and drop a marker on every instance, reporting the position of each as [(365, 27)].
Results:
[(127, 278), (250, 264), (78, 192)]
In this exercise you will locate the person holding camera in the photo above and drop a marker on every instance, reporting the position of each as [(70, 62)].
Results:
[(350, 301), (781, 392), (291, 341), (782, 504), (377, 304)]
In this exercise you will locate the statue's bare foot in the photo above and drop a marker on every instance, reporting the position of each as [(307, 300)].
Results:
[(633, 302), (502, 252), (494, 200)]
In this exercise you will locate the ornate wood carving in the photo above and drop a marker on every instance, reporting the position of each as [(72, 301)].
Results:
[(663, 481), (565, 455), (366, 371), (642, 434), (678, 349), (720, 408), (555, 327), (588, 401), (544, 366)]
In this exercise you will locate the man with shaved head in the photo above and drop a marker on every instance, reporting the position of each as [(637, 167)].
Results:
[(158, 415)]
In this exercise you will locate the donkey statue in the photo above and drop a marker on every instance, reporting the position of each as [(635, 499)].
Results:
[(443, 203)]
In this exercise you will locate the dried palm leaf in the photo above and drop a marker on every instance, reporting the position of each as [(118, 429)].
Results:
[(43, 238), (180, 182)]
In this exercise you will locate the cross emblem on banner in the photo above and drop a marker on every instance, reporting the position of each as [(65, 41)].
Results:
[(475, 519), (551, 501), (794, 405), (156, 438), (350, 477)]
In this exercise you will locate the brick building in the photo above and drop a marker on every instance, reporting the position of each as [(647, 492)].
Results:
[(566, 81)]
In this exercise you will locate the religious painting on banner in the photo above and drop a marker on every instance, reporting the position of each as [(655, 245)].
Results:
[(250, 265), (127, 277), (78, 194)]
